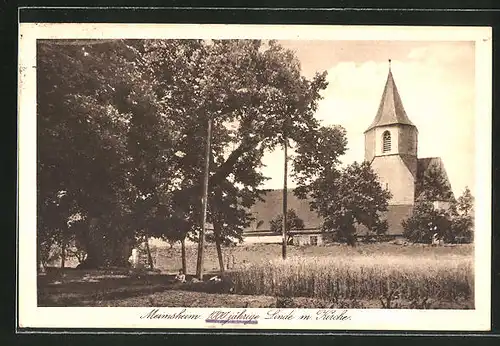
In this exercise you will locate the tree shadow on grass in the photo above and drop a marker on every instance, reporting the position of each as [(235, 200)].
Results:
[(82, 288), (208, 286), (77, 290)]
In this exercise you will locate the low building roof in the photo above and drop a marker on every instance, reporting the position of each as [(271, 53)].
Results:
[(271, 206)]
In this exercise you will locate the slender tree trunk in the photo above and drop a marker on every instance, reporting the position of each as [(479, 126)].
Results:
[(218, 246), (218, 228), (63, 253), (183, 255), (285, 195), (148, 250), (219, 254), (201, 240), (63, 249)]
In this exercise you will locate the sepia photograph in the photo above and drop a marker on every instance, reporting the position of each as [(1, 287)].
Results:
[(260, 178)]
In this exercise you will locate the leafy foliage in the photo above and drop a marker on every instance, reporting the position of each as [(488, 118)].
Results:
[(293, 222), (454, 224), (463, 220), (465, 203), (121, 124), (318, 155), (358, 198), (425, 222), (82, 137)]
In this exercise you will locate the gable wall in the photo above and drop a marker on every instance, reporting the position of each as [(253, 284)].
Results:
[(394, 174)]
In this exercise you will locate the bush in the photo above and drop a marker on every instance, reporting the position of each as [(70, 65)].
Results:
[(462, 227), (293, 223), (48, 253), (452, 225), (425, 222), (285, 302)]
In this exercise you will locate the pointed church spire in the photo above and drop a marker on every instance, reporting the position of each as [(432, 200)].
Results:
[(391, 110)]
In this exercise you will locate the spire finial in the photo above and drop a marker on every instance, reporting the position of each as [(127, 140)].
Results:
[(389, 64)]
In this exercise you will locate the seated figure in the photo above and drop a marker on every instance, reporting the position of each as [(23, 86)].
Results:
[(134, 259), (180, 277)]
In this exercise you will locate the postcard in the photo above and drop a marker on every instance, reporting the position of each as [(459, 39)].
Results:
[(264, 177)]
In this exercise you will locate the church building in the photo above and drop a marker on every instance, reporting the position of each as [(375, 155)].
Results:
[(391, 147)]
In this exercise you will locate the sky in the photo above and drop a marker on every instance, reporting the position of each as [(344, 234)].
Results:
[(436, 82)]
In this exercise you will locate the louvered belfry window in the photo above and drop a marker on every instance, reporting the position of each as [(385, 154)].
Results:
[(386, 142)]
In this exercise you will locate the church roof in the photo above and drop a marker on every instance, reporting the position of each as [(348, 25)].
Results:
[(426, 164), (391, 110), (272, 206), (394, 215), (265, 211)]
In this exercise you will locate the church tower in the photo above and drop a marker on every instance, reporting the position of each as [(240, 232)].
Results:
[(391, 146)]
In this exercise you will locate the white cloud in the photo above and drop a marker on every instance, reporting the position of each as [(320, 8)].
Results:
[(437, 100)]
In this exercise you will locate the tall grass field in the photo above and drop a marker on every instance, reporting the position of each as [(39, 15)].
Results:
[(384, 273), (359, 278)]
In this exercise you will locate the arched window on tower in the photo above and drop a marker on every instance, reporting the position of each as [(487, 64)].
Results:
[(386, 142)]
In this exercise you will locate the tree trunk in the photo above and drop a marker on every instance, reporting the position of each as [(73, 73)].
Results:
[(285, 196), (94, 260), (218, 241), (351, 237), (219, 253), (63, 252), (148, 250), (93, 246), (222, 172), (64, 245), (183, 255), (102, 253), (218, 228)]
